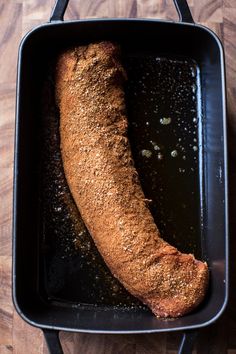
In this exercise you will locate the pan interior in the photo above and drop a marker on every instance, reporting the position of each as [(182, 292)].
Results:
[(163, 98)]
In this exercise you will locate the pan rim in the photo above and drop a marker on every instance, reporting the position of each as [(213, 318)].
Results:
[(118, 20), (102, 331), (15, 185)]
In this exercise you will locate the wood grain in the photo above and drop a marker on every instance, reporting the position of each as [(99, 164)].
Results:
[(7, 101), (25, 338), (110, 344), (6, 310), (208, 10), (16, 18)]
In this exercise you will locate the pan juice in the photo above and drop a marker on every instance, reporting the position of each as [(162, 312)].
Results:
[(163, 108), (163, 103)]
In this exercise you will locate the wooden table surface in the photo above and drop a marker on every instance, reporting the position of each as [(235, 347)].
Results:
[(16, 18)]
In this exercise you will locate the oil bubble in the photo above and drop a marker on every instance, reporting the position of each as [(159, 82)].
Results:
[(174, 153)]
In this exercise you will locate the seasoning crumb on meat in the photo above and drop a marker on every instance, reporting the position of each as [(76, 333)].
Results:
[(104, 184)]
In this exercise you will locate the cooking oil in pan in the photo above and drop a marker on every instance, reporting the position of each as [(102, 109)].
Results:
[(163, 110), (163, 103)]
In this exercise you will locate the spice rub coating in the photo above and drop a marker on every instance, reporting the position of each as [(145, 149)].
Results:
[(104, 183)]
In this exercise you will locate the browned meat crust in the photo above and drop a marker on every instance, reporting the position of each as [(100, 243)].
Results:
[(105, 186)]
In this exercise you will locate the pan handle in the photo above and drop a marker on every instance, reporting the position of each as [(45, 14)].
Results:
[(59, 10), (187, 342), (183, 11), (53, 341), (181, 7)]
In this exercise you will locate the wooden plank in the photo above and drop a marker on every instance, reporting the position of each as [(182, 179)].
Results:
[(208, 10), (19, 16), (229, 29), (9, 38), (35, 12), (7, 112), (25, 338), (161, 9), (229, 3), (10, 35), (95, 9), (6, 308), (110, 344), (6, 349)]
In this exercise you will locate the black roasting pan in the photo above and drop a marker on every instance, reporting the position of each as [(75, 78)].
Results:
[(50, 291)]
